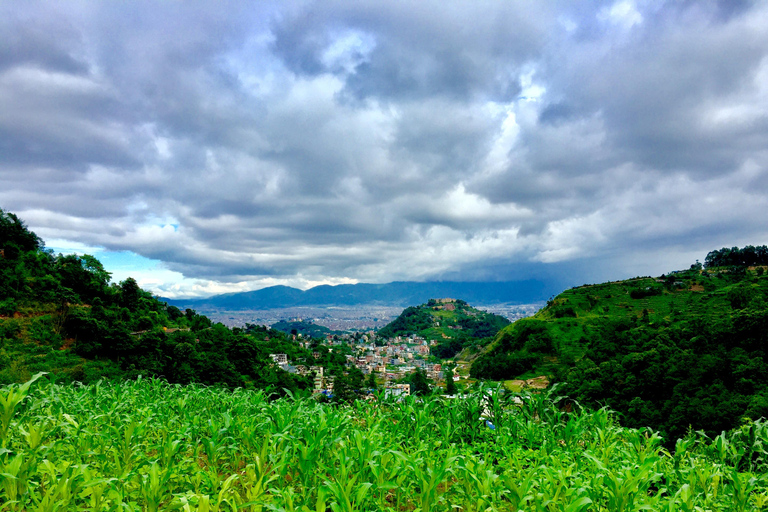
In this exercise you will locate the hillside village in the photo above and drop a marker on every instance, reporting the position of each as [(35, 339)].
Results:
[(391, 359)]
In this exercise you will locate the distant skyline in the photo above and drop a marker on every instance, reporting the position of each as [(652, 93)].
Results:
[(207, 147)]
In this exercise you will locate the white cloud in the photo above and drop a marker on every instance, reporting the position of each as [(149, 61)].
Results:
[(329, 142), (623, 13)]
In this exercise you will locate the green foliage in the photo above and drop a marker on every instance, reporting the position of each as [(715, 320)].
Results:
[(419, 383), (647, 291), (515, 351), (447, 349), (689, 349), (76, 325), (370, 382), (740, 296), (148, 445), (450, 385), (13, 233), (455, 326), (412, 320), (735, 257), (306, 328), (8, 307)]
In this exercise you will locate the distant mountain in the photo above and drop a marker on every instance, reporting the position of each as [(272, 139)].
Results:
[(391, 294)]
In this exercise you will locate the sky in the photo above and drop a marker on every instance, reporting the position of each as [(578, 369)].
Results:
[(212, 147)]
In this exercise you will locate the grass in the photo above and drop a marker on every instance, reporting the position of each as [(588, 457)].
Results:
[(513, 385)]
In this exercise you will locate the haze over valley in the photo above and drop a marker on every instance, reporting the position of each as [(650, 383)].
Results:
[(364, 306), (345, 318)]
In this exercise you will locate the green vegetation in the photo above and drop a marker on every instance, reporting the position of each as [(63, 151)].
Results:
[(735, 257), (151, 446), (450, 385), (305, 328), (61, 314), (686, 350), (453, 323)]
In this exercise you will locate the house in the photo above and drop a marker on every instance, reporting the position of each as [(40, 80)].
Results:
[(397, 390), (279, 358)]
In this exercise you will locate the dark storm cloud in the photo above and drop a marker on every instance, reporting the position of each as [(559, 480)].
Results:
[(655, 86), (323, 141), (417, 51), (50, 43)]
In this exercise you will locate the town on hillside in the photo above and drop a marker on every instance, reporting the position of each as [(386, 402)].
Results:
[(392, 362), (390, 359)]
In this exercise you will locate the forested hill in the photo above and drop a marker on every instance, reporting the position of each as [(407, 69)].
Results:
[(453, 323), (305, 328), (686, 349), (62, 315)]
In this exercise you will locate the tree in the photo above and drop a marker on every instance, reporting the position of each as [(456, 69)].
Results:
[(174, 313), (343, 392), (130, 294), (419, 383), (450, 386), (14, 233), (371, 381)]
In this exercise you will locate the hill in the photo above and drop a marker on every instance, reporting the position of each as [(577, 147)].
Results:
[(685, 349), (61, 314), (391, 294), (303, 327), (454, 324)]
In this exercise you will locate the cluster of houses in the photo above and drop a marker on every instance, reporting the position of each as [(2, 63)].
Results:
[(398, 357), (391, 362)]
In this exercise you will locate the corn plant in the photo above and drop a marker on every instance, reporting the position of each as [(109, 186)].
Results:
[(150, 446)]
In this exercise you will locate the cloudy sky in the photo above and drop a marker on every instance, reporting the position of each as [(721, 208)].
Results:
[(207, 147)]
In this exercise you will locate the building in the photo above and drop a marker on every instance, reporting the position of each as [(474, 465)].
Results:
[(397, 390), (279, 358)]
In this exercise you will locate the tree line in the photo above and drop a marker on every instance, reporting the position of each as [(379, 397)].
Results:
[(61, 313), (734, 257)]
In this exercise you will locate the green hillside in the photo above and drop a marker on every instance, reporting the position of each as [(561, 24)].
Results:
[(454, 324), (685, 349), (61, 314), (305, 328)]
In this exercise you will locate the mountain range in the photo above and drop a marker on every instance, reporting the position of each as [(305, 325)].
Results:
[(403, 293)]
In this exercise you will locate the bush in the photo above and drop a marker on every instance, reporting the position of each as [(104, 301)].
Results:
[(7, 307), (567, 311), (648, 291)]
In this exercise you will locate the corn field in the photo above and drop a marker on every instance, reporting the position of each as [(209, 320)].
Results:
[(147, 445)]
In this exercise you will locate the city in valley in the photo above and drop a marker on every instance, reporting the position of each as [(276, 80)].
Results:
[(355, 334), (346, 318)]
